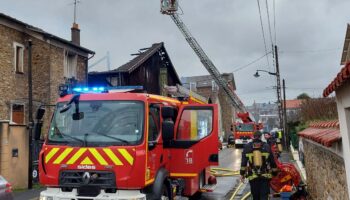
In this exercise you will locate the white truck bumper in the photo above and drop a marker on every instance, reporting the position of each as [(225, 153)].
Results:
[(240, 141), (58, 194)]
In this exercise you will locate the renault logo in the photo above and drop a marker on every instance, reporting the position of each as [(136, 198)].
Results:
[(86, 178)]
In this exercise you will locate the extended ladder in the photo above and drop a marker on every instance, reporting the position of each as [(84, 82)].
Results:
[(208, 64)]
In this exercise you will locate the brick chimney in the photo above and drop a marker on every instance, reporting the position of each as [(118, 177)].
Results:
[(75, 34)]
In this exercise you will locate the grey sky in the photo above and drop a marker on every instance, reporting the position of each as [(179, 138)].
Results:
[(310, 36)]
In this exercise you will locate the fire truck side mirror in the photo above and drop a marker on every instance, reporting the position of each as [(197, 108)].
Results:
[(167, 130), (37, 130), (168, 115), (168, 112), (40, 113)]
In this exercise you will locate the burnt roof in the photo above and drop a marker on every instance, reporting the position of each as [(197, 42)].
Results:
[(142, 57), (46, 34)]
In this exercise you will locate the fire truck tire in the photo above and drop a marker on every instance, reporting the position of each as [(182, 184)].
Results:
[(159, 183), (166, 191)]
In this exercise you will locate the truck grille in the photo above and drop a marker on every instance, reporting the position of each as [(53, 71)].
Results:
[(74, 178)]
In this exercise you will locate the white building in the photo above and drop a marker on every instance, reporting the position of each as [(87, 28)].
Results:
[(341, 86)]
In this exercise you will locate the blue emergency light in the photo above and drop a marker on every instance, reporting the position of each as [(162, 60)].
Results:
[(105, 89), (87, 89)]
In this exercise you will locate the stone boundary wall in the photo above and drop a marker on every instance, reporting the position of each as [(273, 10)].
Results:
[(325, 172)]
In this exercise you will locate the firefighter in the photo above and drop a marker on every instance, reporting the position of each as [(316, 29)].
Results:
[(258, 165)]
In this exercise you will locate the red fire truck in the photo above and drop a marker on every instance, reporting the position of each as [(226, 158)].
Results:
[(104, 144), (243, 131)]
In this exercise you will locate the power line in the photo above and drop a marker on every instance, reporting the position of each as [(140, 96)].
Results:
[(263, 32), (268, 19), (274, 19), (252, 62)]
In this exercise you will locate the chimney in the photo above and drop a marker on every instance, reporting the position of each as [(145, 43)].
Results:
[(75, 34)]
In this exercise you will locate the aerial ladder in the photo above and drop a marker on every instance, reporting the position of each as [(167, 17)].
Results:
[(170, 7)]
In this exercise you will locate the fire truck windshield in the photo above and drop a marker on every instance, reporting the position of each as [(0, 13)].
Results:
[(100, 123), (245, 127)]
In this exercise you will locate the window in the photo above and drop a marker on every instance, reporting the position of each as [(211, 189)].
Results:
[(195, 124), (102, 123), (18, 57), (193, 86), (214, 87), (17, 113), (70, 65), (153, 123)]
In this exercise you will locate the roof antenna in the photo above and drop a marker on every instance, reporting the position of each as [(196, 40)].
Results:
[(75, 10), (75, 31)]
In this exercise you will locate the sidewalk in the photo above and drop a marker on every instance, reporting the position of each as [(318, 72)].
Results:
[(32, 194)]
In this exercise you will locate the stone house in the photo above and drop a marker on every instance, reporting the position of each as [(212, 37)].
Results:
[(341, 86), (151, 68), (206, 87), (54, 61)]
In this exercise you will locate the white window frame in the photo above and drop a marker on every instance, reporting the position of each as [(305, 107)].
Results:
[(193, 86), (21, 58), (11, 111), (70, 69)]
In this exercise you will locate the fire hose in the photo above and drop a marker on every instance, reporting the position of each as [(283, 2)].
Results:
[(221, 172)]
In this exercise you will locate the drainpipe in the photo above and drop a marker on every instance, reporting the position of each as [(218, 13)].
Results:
[(30, 115)]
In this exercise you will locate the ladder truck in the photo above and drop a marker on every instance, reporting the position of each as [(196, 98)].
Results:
[(170, 7), (114, 143)]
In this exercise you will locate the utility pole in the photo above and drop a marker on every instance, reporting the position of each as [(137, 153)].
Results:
[(285, 128), (30, 115), (279, 98)]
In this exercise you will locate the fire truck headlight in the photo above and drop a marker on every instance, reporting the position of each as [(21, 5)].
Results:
[(46, 198)]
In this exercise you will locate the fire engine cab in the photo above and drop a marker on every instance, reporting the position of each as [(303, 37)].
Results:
[(244, 129), (106, 144)]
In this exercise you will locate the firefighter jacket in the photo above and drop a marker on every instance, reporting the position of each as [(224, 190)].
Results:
[(268, 166)]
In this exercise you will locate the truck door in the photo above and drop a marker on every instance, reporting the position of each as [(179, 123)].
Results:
[(195, 145)]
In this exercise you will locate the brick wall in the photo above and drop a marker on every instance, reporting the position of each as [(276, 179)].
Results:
[(325, 172), (47, 68)]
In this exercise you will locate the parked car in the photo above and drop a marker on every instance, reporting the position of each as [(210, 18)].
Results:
[(5, 189)]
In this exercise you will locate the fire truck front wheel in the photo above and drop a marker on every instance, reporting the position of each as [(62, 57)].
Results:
[(161, 185), (166, 192)]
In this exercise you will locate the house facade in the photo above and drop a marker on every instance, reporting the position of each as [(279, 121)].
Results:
[(54, 61), (266, 113), (151, 68)]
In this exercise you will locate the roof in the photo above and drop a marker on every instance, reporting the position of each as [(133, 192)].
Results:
[(342, 77), (295, 103), (207, 80), (139, 60), (46, 34), (325, 133)]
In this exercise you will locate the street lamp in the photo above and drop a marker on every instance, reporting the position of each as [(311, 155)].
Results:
[(279, 100), (256, 75)]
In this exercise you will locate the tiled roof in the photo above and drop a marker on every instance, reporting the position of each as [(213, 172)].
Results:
[(293, 103), (339, 80), (40, 31), (325, 133)]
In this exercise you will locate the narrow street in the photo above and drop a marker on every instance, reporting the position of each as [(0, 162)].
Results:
[(229, 158)]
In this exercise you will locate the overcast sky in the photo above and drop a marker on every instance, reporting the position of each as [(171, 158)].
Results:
[(309, 33)]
